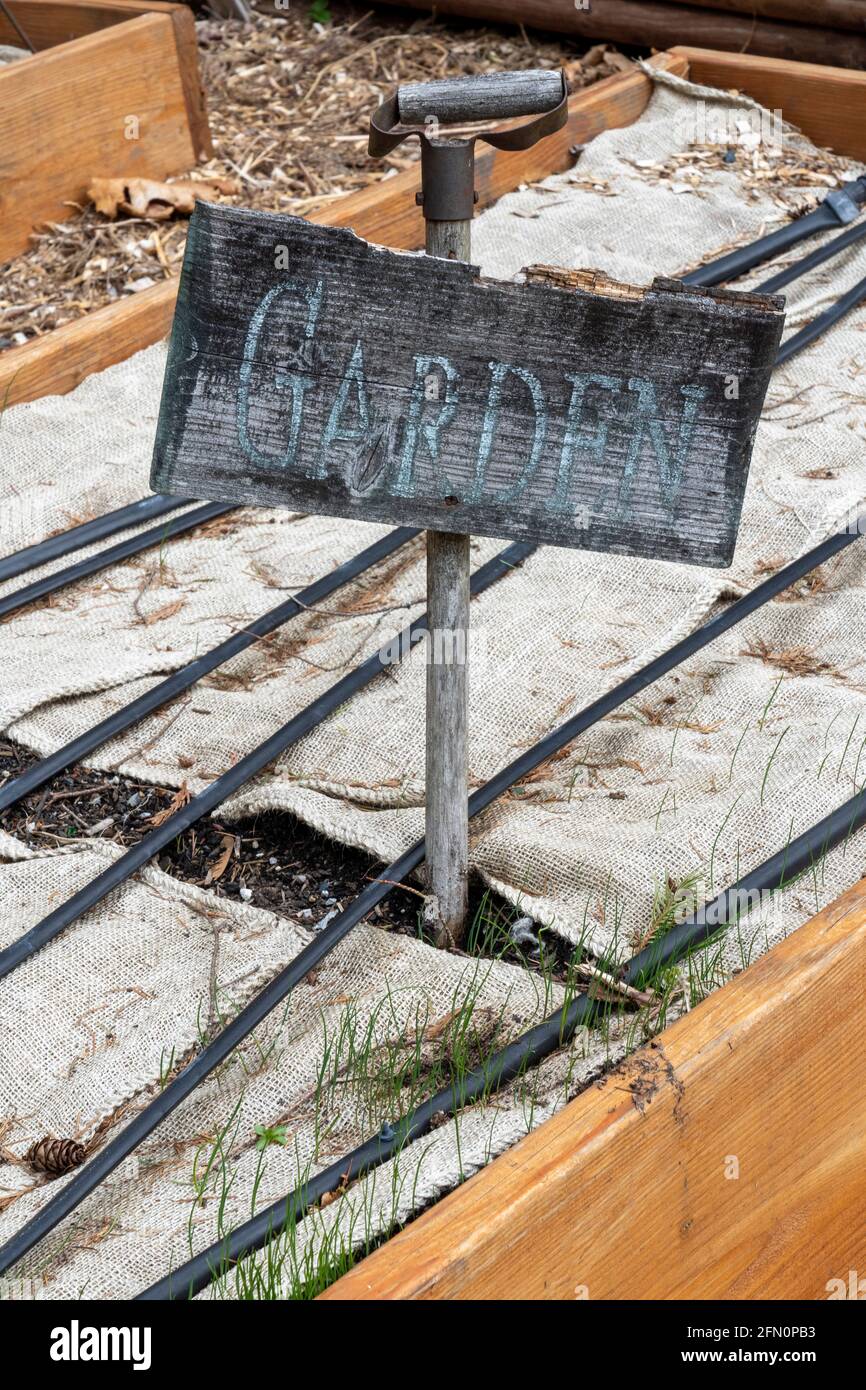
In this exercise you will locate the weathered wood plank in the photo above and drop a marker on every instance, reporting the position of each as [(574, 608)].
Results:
[(447, 748), (446, 822), (310, 369), (631, 1193)]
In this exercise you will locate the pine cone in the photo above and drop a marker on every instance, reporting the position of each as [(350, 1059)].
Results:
[(55, 1155)]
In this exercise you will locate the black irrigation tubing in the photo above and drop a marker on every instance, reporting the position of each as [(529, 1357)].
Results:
[(815, 258), (216, 1052), (104, 1163), (840, 207), (245, 768), (819, 325), (146, 540), (88, 533), (181, 680), (511, 1061)]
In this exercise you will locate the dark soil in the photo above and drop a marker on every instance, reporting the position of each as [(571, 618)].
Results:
[(275, 860), (272, 861)]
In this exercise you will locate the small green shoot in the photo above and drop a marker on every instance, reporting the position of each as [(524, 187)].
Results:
[(270, 1134)]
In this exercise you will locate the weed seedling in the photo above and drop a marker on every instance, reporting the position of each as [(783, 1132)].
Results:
[(266, 1135)]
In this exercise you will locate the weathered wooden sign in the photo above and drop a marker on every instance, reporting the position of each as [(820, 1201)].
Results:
[(310, 369)]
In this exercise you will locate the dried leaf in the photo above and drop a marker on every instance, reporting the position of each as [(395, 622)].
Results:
[(218, 869), (168, 610), (435, 1029), (181, 798), (153, 199)]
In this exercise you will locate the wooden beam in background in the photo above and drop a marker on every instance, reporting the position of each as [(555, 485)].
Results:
[(646, 23), (827, 104), (829, 14), (385, 213), (626, 1194)]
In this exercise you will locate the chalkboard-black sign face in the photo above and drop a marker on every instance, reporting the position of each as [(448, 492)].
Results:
[(310, 369)]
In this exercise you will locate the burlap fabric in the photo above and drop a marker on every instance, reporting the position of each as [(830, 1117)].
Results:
[(94, 1025)]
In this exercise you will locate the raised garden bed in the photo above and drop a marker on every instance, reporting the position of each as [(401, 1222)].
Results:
[(645, 1149)]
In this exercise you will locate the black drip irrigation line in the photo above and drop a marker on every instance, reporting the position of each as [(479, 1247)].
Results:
[(841, 206), (236, 777), (181, 680), (146, 540), (104, 1163), (815, 258), (88, 533), (511, 1061), (819, 325), (732, 266), (254, 762)]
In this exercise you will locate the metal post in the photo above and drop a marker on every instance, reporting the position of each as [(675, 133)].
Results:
[(447, 774)]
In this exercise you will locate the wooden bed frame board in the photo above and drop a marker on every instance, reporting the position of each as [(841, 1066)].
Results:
[(624, 1193), (827, 104), (48, 23), (64, 111)]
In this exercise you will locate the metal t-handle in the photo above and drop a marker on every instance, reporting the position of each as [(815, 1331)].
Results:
[(448, 160)]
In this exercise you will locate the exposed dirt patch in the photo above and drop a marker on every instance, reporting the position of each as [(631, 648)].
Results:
[(273, 861)]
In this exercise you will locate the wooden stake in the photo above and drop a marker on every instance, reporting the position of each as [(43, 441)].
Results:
[(447, 794)]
